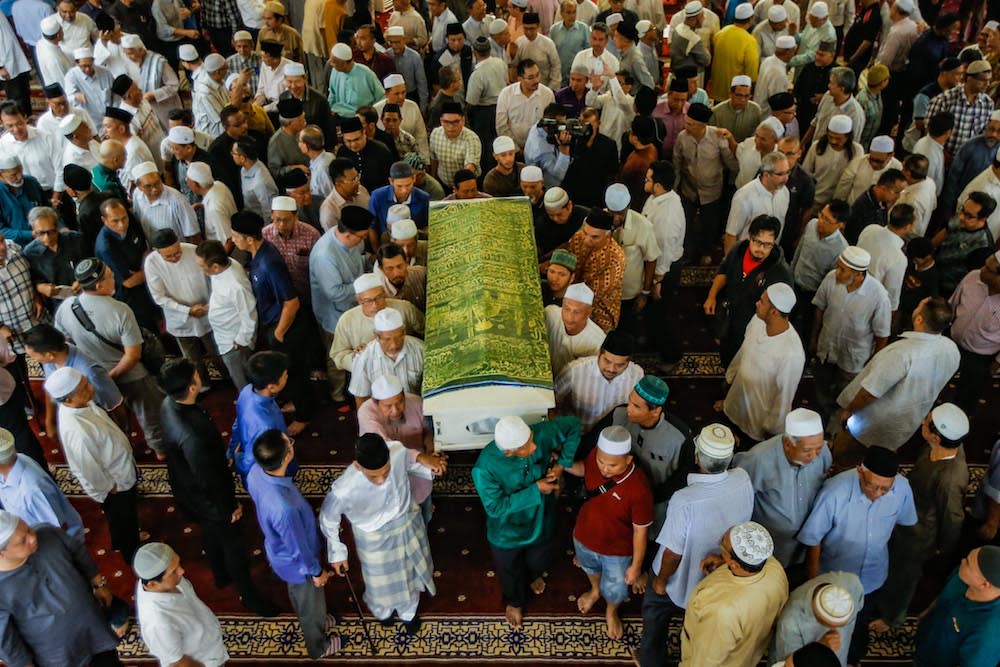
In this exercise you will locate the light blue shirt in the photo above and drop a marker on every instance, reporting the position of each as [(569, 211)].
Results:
[(854, 531), (254, 415), (411, 68), (697, 517), (31, 494), (783, 493), (96, 91), (539, 152), (28, 15), (106, 392), (349, 90), (333, 268), (569, 42)]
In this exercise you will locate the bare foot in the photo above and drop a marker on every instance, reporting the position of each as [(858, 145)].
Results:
[(514, 617), (122, 630), (538, 586), (639, 587), (296, 427), (878, 626), (587, 600), (615, 629)]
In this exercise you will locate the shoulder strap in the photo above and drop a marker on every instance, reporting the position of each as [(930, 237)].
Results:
[(601, 490), (84, 319)]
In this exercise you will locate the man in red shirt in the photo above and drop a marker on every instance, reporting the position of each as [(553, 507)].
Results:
[(610, 534)]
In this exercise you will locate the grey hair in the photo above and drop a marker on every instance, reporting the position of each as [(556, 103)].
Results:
[(712, 465), (845, 78), (769, 162), (39, 212), (447, 76)]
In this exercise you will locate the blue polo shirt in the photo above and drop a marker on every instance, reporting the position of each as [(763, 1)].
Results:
[(383, 198), (291, 536), (272, 286), (254, 415)]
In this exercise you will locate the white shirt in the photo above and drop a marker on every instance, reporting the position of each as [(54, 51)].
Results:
[(232, 309), (764, 375), (586, 58), (97, 452), (586, 11), (617, 109), (666, 213), (888, 265), (136, 152), (986, 181), (827, 170), (40, 155), (73, 154), (82, 32), (590, 396), (11, 54), (851, 321), (271, 84), (859, 176), (439, 25), (749, 159), (366, 505), (517, 114), (354, 328), (174, 625), (175, 288), (637, 239), (112, 57), (172, 210), (841, 11), (53, 62), (564, 348), (207, 100), (934, 152), (771, 80), (219, 206), (922, 196), (751, 200), (408, 366)]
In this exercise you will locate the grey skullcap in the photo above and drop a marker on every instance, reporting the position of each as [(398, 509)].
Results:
[(152, 560)]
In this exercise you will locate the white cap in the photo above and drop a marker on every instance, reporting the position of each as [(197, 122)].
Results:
[(69, 123), (7, 446), (840, 124), (803, 422), (62, 382), (283, 203), (833, 605), (497, 26), (615, 441), (152, 559), (782, 297), (386, 386), (365, 282), (200, 173), (613, 19), (905, 6), (777, 14), (856, 258), (143, 169), (82, 53), (741, 80), (8, 524), (295, 69), (9, 161), (617, 197), (342, 51), (388, 319), (882, 144), (950, 421), (642, 27), (751, 542), (785, 41), (991, 25), (132, 42), (187, 52), (995, 115), (50, 25), (774, 125), (503, 144), (401, 230), (242, 36), (531, 174), (397, 212), (393, 80), (395, 31), (579, 292), (213, 63), (716, 441), (820, 10), (743, 11), (555, 199), (511, 433), (181, 134), (693, 8), (233, 78)]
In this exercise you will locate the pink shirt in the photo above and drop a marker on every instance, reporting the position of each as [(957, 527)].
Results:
[(977, 316), (411, 432)]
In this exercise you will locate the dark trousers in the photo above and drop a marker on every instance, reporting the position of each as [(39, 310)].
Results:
[(13, 418), (18, 89), (859, 639), (700, 237), (517, 568), (309, 604), (661, 317), (222, 40), (973, 379), (657, 610), (296, 346), (106, 659), (226, 551), (122, 512)]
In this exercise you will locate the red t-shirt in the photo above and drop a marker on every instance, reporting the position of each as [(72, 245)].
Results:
[(749, 263), (605, 522)]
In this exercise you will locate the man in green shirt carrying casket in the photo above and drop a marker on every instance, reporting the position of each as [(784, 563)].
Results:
[(518, 484)]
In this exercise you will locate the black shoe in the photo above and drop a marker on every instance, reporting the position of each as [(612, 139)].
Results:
[(387, 622), (412, 627), (260, 606)]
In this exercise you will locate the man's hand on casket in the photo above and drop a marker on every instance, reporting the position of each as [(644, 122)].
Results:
[(437, 462)]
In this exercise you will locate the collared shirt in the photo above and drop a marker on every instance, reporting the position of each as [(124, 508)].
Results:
[(766, 38), (603, 270), (815, 257), (453, 154), (972, 159), (270, 84), (666, 213), (411, 67), (413, 122), (39, 155), (976, 326), (584, 390), (896, 46), (320, 184), (828, 108), (16, 294), (488, 79), (809, 40), (934, 152), (27, 17), (773, 79), (987, 182), (53, 63), (349, 90), (872, 105), (56, 267), (254, 415), (411, 430), (888, 263), (170, 211), (439, 25), (517, 114), (827, 168), (106, 392), (354, 329), (700, 163), (905, 377), (208, 98), (638, 241), (749, 159), (333, 268), (291, 537), (752, 200), (258, 189), (295, 251), (78, 33), (413, 25), (853, 531), (697, 517), (408, 366), (543, 51), (783, 491), (272, 286), (366, 505), (586, 58), (384, 198), (176, 287), (112, 319), (742, 123), (922, 196), (764, 375), (96, 90), (797, 625), (177, 625), (219, 208), (232, 309), (970, 117), (15, 204), (97, 452), (859, 176), (254, 63), (569, 42), (329, 212), (851, 321), (564, 348), (30, 492)]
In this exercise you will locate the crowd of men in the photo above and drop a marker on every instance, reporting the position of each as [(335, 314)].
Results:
[(246, 186)]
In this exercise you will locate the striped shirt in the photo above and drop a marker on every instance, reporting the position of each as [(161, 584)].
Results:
[(16, 294), (970, 118), (373, 362), (589, 395), (171, 211), (454, 154)]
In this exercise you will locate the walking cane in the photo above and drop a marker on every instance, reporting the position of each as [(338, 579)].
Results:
[(361, 614)]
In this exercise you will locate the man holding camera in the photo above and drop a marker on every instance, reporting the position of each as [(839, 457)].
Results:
[(549, 144)]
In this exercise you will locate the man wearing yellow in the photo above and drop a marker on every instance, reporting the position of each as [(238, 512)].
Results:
[(734, 52)]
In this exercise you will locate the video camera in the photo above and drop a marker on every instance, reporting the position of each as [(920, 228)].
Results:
[(578, 132)]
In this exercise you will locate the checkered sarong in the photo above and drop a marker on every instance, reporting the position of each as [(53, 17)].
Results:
[(395, 560)]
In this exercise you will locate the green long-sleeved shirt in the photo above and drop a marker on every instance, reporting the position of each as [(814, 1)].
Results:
[(358, 88), (517, 513)]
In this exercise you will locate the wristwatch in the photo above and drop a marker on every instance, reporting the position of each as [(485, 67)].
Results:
[(101, 583)]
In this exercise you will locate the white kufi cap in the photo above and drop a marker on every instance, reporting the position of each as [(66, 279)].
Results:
[(284, 203), (187, 52), (617, 197), (782, 297), (693, 8), (613, 19), (393, 80), (388, 319), (386, 386), (615, 441), (402, 230), (69, 123), (8, 524), (716, 441), (9, 161), (342, 51), (242, 36), (740, 80), (503, 144), (62, 382), (856, 258), (181, 134), (7, 448), (950, 421), (82, 53), (511, 433), (395, 31), (882, 144), (132, 42), (643, 26), (579, 292), (833, 605), (802, 423), (785, 41), (200, 173), (295, 69), (213, 63), (774, 125), (152, 559), (751, 542), (397, 212), (743, 11), (531, 174), (777, 14), (365, 282), (820, 10), (498, 26), (841, 124), (50, 25), (555, 199)]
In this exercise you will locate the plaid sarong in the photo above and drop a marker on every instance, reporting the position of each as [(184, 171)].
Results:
[(395, 560)]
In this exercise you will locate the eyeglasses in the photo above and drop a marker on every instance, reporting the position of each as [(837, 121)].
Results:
[(374, 299), (450, 122), (780, 173), (762, 244), (47, 232), (352, 179)]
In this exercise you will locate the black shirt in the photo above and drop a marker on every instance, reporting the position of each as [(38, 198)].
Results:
[(866, 27), (56, 267), (372, 163), (591, 172), (866, 210), (223, 167), (549, 235), (813, 80)]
